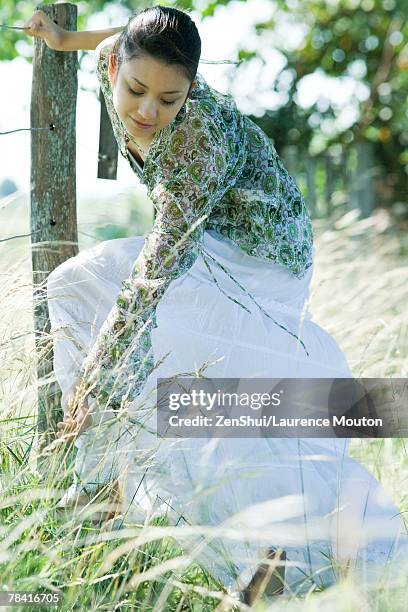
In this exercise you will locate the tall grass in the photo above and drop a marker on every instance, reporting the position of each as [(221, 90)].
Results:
[(359, 294)]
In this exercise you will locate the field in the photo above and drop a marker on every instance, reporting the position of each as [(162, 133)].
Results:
[(359, 295)]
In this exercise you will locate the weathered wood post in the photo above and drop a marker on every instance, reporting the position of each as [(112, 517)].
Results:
[(345, 175), (289, 155), (54, 235), (362, 194), (108, 148), (310, 165), (329, 182)]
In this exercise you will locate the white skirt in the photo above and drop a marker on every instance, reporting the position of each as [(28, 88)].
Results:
[(304, 495)]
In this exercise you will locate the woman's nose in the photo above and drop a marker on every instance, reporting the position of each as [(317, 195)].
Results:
[(148, 112)]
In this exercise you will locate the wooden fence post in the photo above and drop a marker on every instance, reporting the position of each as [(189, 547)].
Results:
[(329, 182), (289, 155), (310, 165), (108, 148), (54, 236), (362, 191)]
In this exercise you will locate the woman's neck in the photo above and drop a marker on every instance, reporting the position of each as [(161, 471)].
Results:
[(140, 152), (136, 153)]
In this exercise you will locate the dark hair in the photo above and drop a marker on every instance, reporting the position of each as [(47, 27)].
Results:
[(165, 33)]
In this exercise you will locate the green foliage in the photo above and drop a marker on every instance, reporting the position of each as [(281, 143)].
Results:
[(243, 54), (52, 553), (337, 37), (209, 10), (368, 40)]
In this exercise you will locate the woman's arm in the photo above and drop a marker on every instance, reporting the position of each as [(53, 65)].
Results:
[(73, 41), (121, 358), (55, 37)]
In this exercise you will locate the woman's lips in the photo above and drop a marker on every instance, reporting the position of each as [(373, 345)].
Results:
[(143, 126)]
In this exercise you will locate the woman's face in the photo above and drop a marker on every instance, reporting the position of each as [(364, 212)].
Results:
[(148, 91)]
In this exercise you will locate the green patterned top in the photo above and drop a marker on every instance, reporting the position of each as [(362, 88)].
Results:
[(210, 168)]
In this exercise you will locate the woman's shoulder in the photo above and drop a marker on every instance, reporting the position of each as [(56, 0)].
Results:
[(105, 47), (209, 111), (210, 100), (101, 54), (222, 109)]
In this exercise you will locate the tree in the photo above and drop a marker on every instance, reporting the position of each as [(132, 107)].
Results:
[(368, 35)]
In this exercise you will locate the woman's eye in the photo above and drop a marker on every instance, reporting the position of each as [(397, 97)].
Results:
[(135, 93), (138, 93)]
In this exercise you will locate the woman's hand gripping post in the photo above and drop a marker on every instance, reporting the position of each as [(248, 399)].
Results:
[(41, 26)]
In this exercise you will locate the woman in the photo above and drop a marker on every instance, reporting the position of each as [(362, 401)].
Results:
[(220, 283)]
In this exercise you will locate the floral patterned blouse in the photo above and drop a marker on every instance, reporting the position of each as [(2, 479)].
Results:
[(210, 168)]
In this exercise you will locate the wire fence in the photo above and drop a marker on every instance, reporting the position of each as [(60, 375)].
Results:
[(342, 178)]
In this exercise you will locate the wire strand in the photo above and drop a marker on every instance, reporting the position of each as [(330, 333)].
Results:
[(101, 156), (50, 128), (3, 25), (203, 61)]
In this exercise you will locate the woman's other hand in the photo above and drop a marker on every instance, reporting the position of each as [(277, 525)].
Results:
[(77, 415), (41, 26)]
